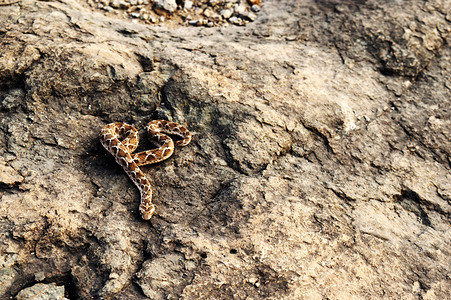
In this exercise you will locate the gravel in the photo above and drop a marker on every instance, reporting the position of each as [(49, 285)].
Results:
[(187, 12)]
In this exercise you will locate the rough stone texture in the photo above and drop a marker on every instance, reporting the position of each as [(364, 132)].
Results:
[(319, 168), (42, 291)]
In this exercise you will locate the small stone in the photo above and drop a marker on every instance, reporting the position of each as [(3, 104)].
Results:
[(108, 9), (193, 22), (254, 280), (208, 12), (167, 5), (188, 4), (255, 8), (124, 5), (249, 16), (236, 21), (214, 3), (9, 176), (226, 13), (114, 4), (39, 276), (239, 9), (202, 22), (133, 2), (228, 5), (135, 15)]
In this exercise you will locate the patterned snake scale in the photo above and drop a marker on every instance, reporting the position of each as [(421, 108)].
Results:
[(121, 139)]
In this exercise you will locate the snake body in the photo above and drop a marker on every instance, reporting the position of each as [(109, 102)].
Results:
[(121, 140)]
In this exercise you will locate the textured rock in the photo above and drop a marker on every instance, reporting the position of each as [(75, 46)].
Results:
[(7, 272), (42, 291), (319, 166), (167, 5)]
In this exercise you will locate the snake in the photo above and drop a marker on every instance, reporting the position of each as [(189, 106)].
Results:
[(121, 140)]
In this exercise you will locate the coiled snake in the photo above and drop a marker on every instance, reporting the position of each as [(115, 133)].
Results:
[(121, 139)]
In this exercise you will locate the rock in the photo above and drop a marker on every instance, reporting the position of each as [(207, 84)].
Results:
[(9, 176), (42, 291), (166, 5), (7, 272), (159, 278), (115, 4), (10, 100), (193, 22), (250, 16), (319, 165), (226, 13), (255, 8), (124, 5), (236, 21), (188, 4)]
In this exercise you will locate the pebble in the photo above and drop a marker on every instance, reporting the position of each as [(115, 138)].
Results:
[(226, 13), (188, 4), (114, 4), (214, 3), (202, 22), (124, 5), (255, 8), (208, 12), (239, 8), (167, 5), (108, 9), (236, 21), (249, 16)]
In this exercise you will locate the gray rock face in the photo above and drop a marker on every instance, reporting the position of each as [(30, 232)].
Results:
[(42, 291), (319, 167)]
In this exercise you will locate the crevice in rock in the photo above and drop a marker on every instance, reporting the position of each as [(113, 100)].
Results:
[(342, 195), (412, 202), (317, 133), (147, 64)]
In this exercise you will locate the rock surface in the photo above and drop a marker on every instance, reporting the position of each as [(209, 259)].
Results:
[(42, 291), (319, 168)]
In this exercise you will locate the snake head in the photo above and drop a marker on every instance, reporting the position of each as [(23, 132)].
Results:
[(146, 209)]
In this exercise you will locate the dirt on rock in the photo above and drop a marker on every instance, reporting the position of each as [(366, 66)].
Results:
[(319, 166)]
